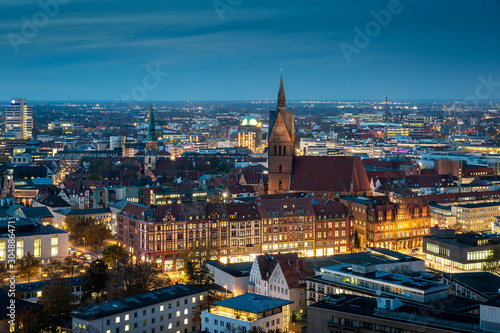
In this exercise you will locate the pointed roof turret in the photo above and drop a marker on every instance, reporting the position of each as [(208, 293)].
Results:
[(151, 125), (281, 95)]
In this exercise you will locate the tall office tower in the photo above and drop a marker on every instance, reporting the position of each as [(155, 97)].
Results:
[(18, 119)]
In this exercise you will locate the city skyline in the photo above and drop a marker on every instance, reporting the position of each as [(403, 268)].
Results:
[(208, 51)]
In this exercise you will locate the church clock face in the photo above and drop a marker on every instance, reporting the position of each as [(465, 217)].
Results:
[(280, 129)]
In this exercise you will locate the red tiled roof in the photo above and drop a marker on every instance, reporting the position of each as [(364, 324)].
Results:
[(296, 271), (268, 262), (385, 174), (242, 211), (329, 173), (241, 189), (132, 209)]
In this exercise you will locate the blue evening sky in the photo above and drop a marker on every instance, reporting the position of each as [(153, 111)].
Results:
[(102, 50)]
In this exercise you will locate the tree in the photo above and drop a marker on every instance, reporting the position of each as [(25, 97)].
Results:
[(76, 226), (28, 266), (197, 273), (129, 278), (70, 263), (95, 280), (492, 263), (95, 176), (57, 297), (113, 254), (32, 319), (96, 232), (87, 228), (357, 241), (55, 267)]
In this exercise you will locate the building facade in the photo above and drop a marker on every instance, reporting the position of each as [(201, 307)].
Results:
[(18, 119), (172, 309)]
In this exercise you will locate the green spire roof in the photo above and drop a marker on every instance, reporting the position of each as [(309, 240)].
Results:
[(151, 125)]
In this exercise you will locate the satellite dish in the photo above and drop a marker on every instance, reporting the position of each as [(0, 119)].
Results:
[(379, 293)]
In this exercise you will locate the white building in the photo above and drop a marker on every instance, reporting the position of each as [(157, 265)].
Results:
[(173, 309), (230, 278), (490, 315), (45, 242), (367, 280), (244, 312), (282, 276)]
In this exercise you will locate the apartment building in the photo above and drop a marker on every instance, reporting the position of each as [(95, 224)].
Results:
[(245, 232), (246, 312), (172, 309), (282, 276)]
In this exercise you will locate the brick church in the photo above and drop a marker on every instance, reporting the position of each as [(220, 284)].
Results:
[(322, 176)]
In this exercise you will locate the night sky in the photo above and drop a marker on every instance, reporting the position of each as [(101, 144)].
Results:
[(106, 49)]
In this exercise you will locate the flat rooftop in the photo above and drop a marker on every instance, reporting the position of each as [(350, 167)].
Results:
[(237, 270), (129, 303), (483, 282), (374, 256), (417, 283), (253, 303), (413, 314)]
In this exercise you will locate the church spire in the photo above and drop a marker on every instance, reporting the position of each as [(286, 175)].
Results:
[(151, 125), (281, 95)]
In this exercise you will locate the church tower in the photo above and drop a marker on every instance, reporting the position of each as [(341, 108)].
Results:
[(151, 156), (281, 145)]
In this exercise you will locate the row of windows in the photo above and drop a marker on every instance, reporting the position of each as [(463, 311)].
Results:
[(54, 248)]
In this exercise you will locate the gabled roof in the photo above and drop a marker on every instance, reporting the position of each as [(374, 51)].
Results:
[(267, 262), (296, 272), (53, 201), (32, 212), (329, 173)]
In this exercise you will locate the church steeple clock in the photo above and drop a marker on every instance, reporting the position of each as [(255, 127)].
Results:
[(281, 145)]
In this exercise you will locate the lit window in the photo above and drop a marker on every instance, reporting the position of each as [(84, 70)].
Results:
[(185, 311), (162, 307), (54, 250), (38, 247), (185, 321), (19, 248), (127, 316), (127, 327), (2, 250), (178, 314), (38, 294), (201, 297), (194, 300), (117, 319)]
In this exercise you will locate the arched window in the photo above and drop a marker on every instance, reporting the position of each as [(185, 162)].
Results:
[(280, 150), (280, 169), (281, 184), (284, 150), (274, 149)]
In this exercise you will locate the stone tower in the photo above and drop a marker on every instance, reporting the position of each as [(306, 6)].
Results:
[(151, 156), (281, 145)]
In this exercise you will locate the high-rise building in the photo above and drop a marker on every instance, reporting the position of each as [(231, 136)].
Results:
[(18, 119)]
